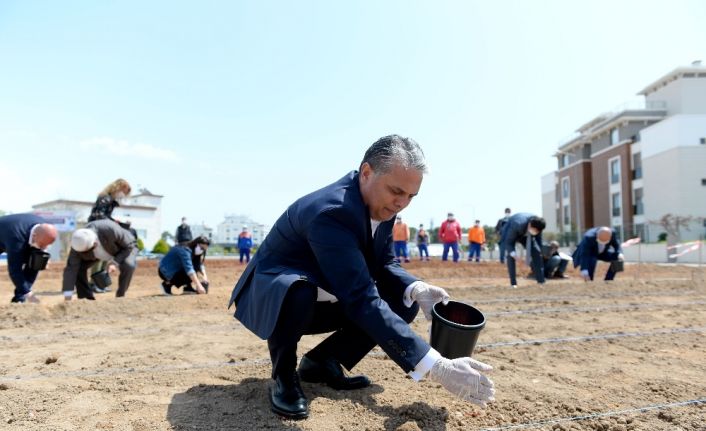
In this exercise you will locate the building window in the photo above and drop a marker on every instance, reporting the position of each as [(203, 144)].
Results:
[(636, 166), (703, 181), (618, 233), (565, 187), (567, 215), (639, 230), (615, 171), (616, 204), (614, 136), (702, 141), (639, 206)]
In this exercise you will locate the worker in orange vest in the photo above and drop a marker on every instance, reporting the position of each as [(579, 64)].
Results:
[(476, 239), (400, 237)]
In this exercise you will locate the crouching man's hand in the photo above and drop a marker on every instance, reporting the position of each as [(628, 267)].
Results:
[(426, 295), (463, 378)]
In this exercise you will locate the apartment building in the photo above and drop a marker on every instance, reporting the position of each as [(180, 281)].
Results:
[(228, 230), (629, 167)]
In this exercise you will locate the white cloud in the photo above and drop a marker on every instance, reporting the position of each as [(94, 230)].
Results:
[(124, 148)]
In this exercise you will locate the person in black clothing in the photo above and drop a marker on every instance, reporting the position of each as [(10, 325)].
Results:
[(183, 232), (106, 202), (498, 233), (108, 199)]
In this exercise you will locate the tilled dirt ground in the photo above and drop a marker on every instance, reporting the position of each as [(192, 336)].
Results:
[(624, 355)]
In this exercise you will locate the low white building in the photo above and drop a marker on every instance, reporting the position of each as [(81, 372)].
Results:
[(143, 211), (228, 230), (202, 230)]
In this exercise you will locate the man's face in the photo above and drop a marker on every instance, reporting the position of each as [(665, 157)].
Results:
[(387, 194), (603, 236)]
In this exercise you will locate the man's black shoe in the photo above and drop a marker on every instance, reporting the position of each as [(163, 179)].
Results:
[(188, 289), (560, 275), (331, 373), (287, 398)]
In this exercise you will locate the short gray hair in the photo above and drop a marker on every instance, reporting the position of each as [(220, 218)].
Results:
[(393, 150)]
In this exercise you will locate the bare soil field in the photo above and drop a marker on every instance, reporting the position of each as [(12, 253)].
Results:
[(624, 355)]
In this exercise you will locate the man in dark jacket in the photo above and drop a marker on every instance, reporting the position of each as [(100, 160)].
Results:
[(183, 232), (327, 265), (526, 229), (499, 233), (20, 236), (598, 243), (101, 240)]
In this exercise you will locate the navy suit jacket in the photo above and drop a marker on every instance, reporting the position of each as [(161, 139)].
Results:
[(325, 238), (14, 240), (515, 229), (588, 248)]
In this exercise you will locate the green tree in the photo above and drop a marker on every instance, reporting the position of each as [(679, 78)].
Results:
[(161, 247), (140, 244)]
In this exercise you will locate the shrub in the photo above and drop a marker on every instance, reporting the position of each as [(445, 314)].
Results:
[(161, 247)]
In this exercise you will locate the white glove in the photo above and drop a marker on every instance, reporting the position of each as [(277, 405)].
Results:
[(584, 274), (427, 295), (621, 257), (462, 378)]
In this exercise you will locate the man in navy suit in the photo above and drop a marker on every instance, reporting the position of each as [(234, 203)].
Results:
[(526, 229), (598, 243), (20, 235), (327, 265)]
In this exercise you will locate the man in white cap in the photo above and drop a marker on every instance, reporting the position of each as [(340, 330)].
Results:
[(100, 240)]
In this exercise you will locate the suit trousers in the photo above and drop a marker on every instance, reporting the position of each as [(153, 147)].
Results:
[(301, 315), (537, 262), (127, 269), (593, 261)]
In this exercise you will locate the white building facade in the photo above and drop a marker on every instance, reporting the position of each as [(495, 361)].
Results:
[(673, 151), (143, 211)]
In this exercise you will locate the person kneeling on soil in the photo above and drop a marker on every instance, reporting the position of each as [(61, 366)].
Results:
[(327, 265), (555, 261), (184, 266), (598, 243), (100, 240)]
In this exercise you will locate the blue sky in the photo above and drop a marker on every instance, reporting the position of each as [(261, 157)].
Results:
[(242, 107)]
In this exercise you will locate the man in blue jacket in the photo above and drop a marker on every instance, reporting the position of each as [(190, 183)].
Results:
[(327, 265), (20, 235), (598, 243), (526, 229)]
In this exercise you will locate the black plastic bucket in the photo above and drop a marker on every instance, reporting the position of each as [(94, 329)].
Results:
[(38, 260), (617, 266), (101, 279), (455, 328)]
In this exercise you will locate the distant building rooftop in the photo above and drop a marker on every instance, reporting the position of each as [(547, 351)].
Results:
[(685, 71)]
